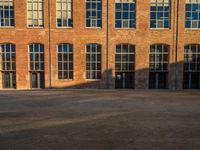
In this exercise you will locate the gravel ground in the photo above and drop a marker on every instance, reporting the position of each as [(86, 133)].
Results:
[(99, 120)]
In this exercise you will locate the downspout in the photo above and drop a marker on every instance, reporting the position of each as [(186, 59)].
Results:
[(107, 45), (177, 42), (49, 39)]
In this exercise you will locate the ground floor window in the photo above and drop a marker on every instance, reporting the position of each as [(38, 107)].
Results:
[(191, 77), (8, 65), (124, 66), (93, 61), (158, 66), (36, 58)]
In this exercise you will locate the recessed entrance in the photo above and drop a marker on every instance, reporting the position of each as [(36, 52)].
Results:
[(37, 80), (124, 80), (9, 79)]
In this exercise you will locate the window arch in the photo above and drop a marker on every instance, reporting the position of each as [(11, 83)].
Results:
[(8, 65), (65, 61), (191, 66), (93, 61), (160, 14)]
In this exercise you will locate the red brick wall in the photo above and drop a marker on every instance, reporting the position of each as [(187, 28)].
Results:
[(142, 37)]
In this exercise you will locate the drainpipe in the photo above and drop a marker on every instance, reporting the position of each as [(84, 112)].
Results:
[(49, 39), (177, 42), (107, 45)]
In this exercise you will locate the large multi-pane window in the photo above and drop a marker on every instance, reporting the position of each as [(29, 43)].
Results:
[(6, 13), (64, 13), (36, 52), (35, 13), (93, 13), (8, 65), (125, 14), (158, 67), (65, 61), (192, 66), (192, 17), (160, 14), (124, 58), (93, 61)]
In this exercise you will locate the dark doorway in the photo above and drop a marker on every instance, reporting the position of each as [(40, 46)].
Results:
[(124, 80), (158, 80), (37, 80), (191, 80), (9, 79)]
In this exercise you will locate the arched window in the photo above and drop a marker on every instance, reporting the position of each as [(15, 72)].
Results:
[(65, 61), (160, 14), (7, 13), (125, 14), (36, 57), (93, 61), (158, 66), (192, 66), (8, 65), (124, 66)]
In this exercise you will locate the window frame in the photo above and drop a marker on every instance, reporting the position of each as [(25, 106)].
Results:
[(96, 10), (96, 71), (65, 27), (129, 19), (156, 11), (32, 19), (10, 26), (57, 62)]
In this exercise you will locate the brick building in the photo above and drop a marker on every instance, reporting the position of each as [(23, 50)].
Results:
[(137, 44)]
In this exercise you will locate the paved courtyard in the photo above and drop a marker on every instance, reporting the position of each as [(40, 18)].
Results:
[(99, 120)]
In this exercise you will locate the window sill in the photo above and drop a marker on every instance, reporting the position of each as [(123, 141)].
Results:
[(125, 28), (64, 80), (191, 29), (64, 27), (93, 27), (167, 29), (35, 27), (6, 27), (93, 80)]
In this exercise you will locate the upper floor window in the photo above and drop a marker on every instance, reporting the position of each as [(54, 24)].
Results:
[(192, 17), (125, 14), (65, 61), (6, 13), (93, 61), (35, 13), (64, 13), (93, 13), (160, 14)]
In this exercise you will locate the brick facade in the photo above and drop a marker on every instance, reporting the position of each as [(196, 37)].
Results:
[(142, 37)]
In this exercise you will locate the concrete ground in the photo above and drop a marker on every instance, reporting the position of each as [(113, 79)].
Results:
[(99, 120)]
